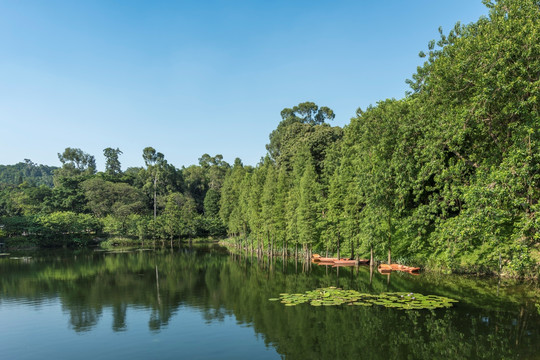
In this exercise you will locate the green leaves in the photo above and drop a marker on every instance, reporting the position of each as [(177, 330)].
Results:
[(398, 300)]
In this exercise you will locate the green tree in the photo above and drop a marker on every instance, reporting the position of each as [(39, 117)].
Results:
[(112, 163), (75, 162), (155, 164), (303, 125)]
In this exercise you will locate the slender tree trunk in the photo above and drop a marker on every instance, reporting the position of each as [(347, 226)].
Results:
[(338, 253), (269, 245), (389, 238), (500, 263), (245, 236), (155, 198)]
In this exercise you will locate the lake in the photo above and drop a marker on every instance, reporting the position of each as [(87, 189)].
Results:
[(204, 303)]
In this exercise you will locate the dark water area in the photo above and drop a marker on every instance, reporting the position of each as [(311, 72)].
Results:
[(203, 303)]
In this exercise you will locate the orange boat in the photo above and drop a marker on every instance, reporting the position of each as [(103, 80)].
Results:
[(330, 262), (319, 258), (397, 267), (345, 262)]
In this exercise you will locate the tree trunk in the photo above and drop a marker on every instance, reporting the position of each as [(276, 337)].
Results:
[(155, 198), (389, 237), (338, 254)]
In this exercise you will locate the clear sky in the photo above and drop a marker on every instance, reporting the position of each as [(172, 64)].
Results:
[(195, 77)]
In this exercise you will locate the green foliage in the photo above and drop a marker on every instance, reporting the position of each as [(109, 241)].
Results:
[(65, 222), (115, 202), (27, 171), (333, 296), (19, 226), (211, 203), (75, 162), (112, 163), (108, 198), (449, 175), (303, 126)]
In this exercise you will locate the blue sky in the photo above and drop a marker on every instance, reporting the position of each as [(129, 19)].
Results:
[(195, 77)]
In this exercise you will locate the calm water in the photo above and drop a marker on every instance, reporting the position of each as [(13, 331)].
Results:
[(205, 304)]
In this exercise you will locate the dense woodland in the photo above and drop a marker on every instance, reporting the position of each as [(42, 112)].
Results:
[(447, 177), (157, 201)]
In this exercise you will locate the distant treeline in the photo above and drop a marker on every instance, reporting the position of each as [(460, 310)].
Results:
[(157, 201), (447, 177), (28, 172)]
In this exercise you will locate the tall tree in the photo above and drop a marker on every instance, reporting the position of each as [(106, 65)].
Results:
[(75, 161), (303, 125), (112, 163), (155, 163)]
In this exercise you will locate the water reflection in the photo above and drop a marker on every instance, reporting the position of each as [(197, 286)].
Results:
[(493, 320)]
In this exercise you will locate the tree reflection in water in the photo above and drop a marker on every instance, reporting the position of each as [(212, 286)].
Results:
[(485, 324)]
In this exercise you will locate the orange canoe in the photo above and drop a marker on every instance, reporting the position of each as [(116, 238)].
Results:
[(345, 262), (317, 258), (397, 267), (325, 259)]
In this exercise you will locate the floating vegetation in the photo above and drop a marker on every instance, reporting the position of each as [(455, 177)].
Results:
[(334, 296)]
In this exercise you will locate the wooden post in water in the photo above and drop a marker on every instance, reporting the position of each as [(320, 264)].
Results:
[(157, 286)]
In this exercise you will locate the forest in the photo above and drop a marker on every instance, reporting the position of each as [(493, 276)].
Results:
[(447, 177)]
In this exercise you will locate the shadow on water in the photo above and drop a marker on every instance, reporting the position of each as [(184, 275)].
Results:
[(492, 320)]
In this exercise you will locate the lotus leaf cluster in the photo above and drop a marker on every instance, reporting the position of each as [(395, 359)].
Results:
[(332, 296)]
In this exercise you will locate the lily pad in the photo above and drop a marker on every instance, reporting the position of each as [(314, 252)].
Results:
[(332, 296)]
